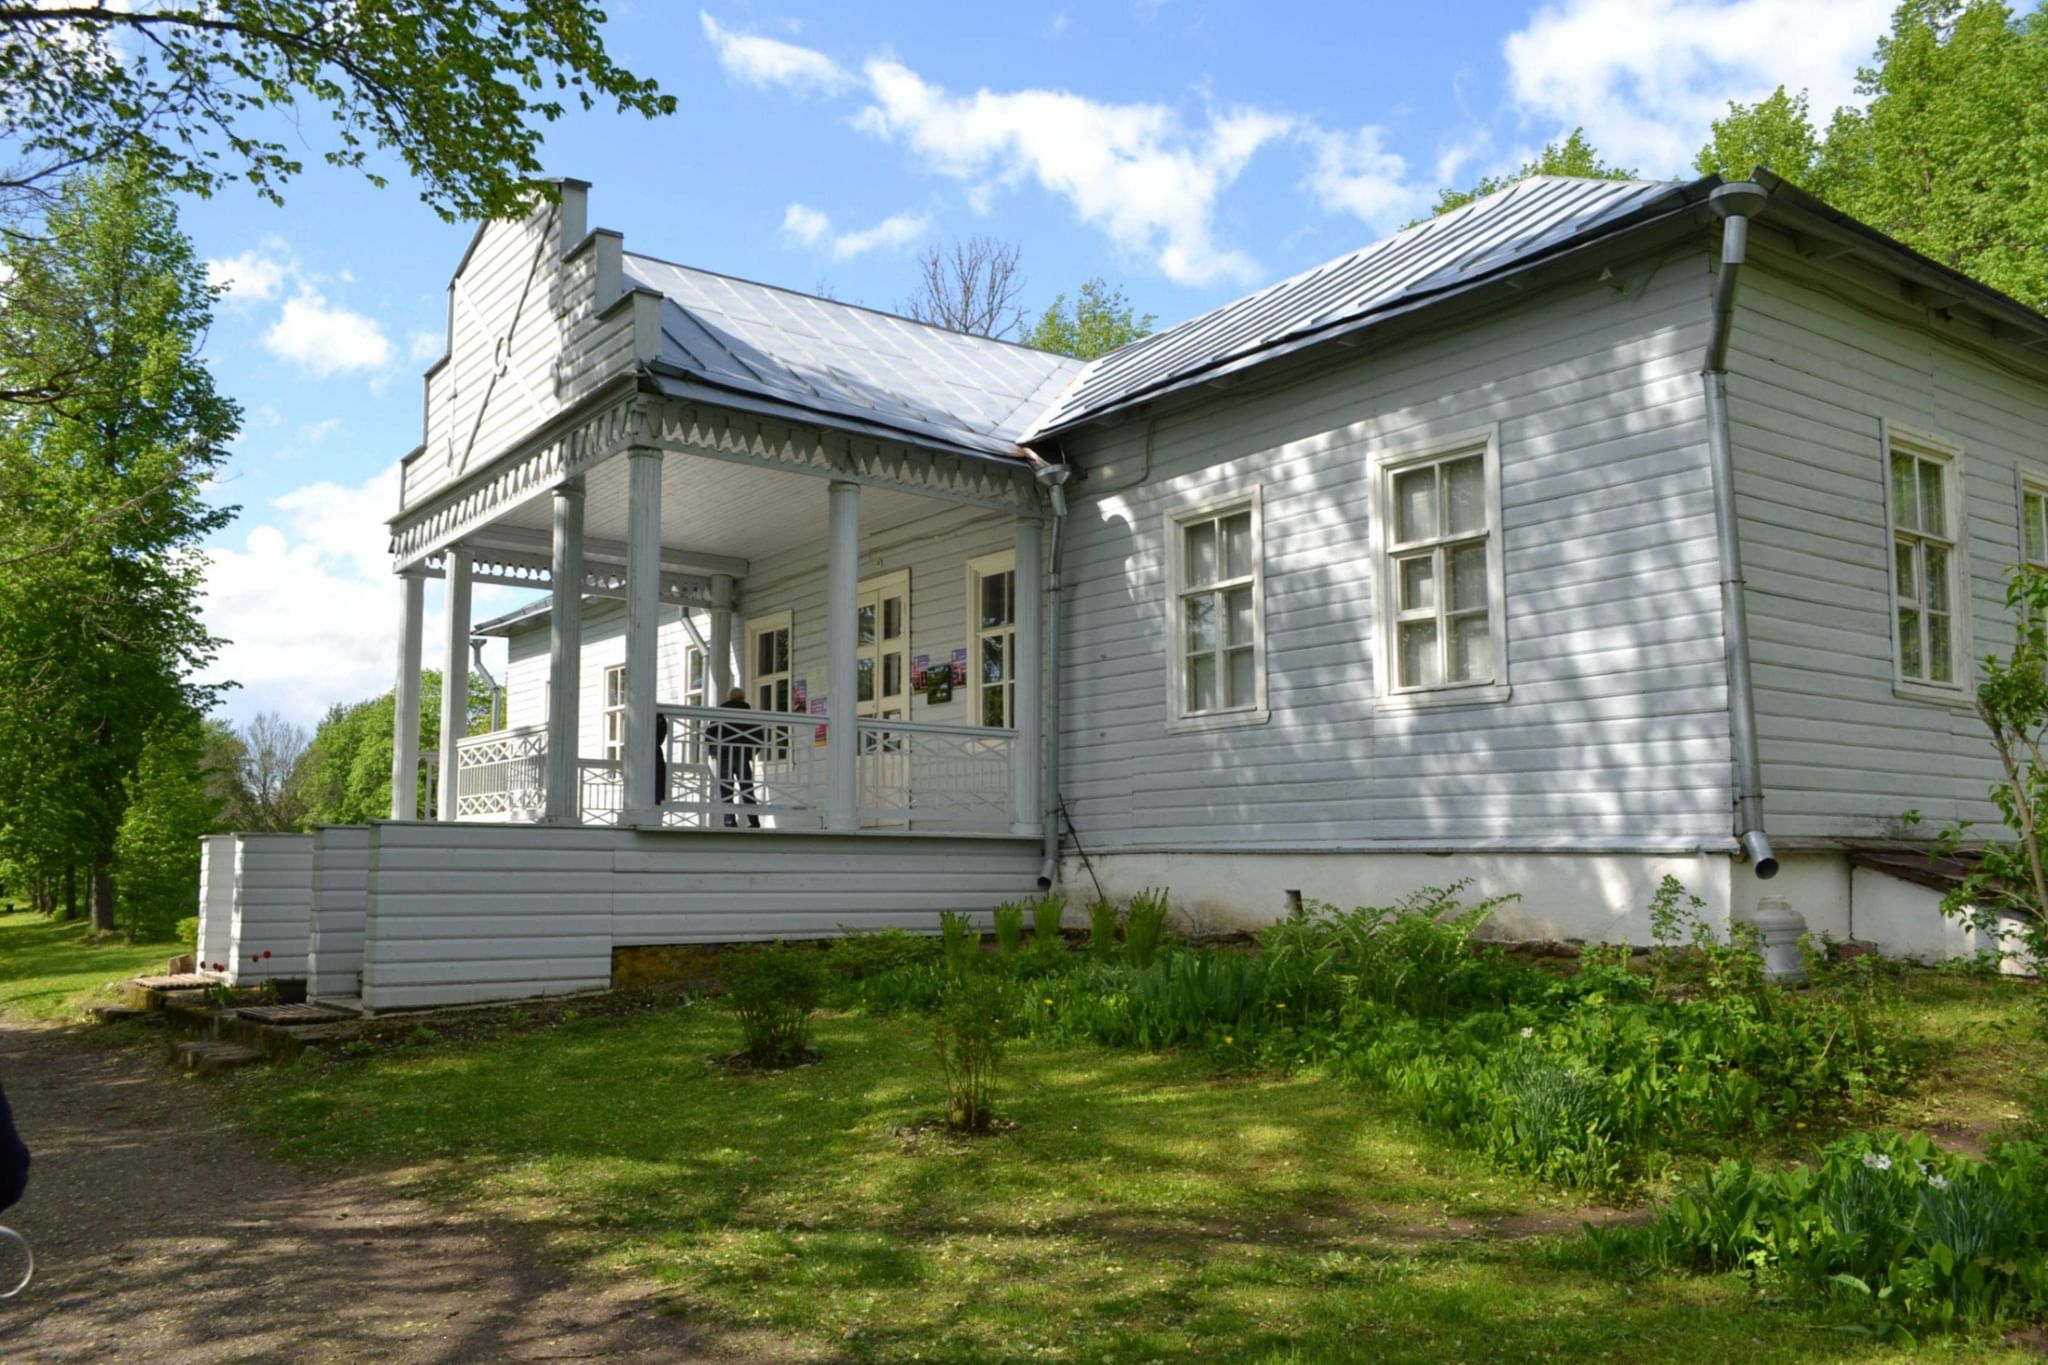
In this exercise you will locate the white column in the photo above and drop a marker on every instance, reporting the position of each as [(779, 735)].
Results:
[(643, 626), (842, 602), (454, 677), (565, 657), (720, 643), (405, 719), (1028, 667)]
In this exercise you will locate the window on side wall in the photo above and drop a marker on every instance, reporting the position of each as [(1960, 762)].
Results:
[(2034, 522), (614, 711), (1442, 628), (1923, 486), (992, 639), (1215, 567)]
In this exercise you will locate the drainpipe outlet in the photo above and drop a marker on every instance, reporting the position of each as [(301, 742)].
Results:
[(1756, 846)]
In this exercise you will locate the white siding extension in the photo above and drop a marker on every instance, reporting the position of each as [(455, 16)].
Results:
[(1615, 734), (341, 875), (1815, 372), (216, 901), (273, 910)]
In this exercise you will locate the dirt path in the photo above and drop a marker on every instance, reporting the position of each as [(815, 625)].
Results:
[(163, 1235)]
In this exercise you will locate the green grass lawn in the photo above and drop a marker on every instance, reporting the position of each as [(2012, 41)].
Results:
[(50, 970), (1144, 1206)]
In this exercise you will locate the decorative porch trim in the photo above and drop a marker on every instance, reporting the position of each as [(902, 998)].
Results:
[(615, 421), (519, 569)]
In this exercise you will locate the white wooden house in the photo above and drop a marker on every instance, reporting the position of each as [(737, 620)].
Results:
[(1595, 531)]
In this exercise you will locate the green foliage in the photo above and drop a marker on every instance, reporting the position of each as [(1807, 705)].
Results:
[(773, 991), (458, 94), (1944, 153), (968, 1034), (1098, 321), (347, 777), (1886, 1228), (156, 853), (1144, 924), (1419, 956), (857, 955), (1009, 917), (959, 940), (1572, 157), (186, 934), (1046, 913), (102, 511), (1102, 929)]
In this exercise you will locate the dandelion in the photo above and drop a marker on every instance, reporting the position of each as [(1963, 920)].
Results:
[(1800, 1124), (1877, 1161), (1229, 1041), (1048, 1000), (1528, 1032), (1279, 1004)]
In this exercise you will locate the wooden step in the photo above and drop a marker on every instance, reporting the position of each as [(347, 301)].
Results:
[(207, 1057), (121, 1014), (292, 1016)]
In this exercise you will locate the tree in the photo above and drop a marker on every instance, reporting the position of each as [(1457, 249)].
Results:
[(348, 765), (1096, 323), (1949, 153), (273, 763), (458, 91), (101, 516), (156, 853), (1774, 133), (1572, 157), (971, 287)]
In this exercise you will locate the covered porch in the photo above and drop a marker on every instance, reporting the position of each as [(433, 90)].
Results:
[(880, 607)]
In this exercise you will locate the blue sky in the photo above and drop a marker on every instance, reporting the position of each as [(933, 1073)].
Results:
[(1188, 151)]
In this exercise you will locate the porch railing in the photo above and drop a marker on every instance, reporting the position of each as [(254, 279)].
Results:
[(502, 775), (935, 776), (728, 765)]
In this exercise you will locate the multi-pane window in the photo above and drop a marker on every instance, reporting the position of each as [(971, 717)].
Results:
[(614, 711), (1438, 563), (696, 677), (992, 653), (2034, 524), (1924, 563), (769, 676), (1216, 580)]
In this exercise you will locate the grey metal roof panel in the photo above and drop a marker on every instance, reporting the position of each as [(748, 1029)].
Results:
[(1482, 238), (839, 360)]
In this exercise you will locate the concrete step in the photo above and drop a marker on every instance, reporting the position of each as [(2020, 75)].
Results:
[(208, 1057)]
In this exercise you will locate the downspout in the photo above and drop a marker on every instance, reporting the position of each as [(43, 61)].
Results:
[(1052, 478), (1736, 204)]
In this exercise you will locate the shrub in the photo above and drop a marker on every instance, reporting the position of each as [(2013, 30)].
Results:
[(958, 940), (1144, 924), (1009, 917), (187, 932), (1102, 929), (968, 1035), (1046, 913), (773, 991), (859, 954)]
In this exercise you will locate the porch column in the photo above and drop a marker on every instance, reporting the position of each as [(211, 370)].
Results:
[(1028, 668), (643, 625), (720, 643), (842, 603), (565, 657), (454, 676), (405, 719)]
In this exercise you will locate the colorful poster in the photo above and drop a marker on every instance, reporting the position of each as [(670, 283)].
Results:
[(818, 710), (960, 668), (920, 671), (797, 692)]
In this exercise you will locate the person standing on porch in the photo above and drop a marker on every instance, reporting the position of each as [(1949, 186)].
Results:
[(735, 747)]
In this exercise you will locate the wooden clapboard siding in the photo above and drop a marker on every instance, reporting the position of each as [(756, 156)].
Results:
[(1615, 734), (465, 912), (341, 875), (604, 646), (216, 900), (273, 906), (1818, 364), (935, 546)]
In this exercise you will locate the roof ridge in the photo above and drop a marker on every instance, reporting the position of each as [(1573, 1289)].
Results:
[(842, 303)]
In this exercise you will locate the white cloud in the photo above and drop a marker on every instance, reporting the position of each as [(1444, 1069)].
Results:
[(325, 338), (771, 63), (424, 345), (1645, 77), (1131, 170), (810, 227), (1355, 173), (805, 225), (309, 604), (253, 276)]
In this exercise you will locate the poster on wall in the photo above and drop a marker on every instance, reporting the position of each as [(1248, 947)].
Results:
[(920, 671), (818, 710), (798, 691), (960, 667)]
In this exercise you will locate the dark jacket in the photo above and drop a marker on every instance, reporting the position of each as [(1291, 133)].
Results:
[(13, 1158)]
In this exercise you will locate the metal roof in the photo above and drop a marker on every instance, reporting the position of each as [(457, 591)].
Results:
[(1500, 232), (725, 340)]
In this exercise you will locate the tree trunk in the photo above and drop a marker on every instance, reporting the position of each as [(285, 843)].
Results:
[(70, 892), (102, 894)]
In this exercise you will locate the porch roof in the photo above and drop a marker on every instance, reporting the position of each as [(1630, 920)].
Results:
[(739, 344)]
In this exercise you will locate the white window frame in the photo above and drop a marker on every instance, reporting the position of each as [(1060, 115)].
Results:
[(1388, 462), (757, 626), (2032, 486), (612, 716), (986, 566), (1939, 449), (1179, 720)]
